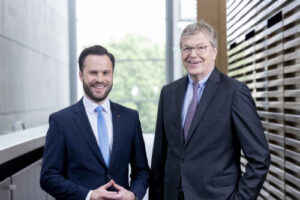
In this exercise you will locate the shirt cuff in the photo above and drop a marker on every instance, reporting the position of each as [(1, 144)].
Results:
[(88, 196)]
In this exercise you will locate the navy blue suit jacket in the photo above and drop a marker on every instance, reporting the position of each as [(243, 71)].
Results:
[(207, 164), (72, 161)]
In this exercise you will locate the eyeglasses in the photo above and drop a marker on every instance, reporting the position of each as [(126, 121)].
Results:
[(199, 49)]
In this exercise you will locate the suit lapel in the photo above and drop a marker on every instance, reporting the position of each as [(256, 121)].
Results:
[(208, 93), (117, 129), (179, 98), (83, 124)]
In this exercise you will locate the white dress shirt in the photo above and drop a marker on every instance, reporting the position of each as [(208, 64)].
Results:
[(189, 95), (92, 114)]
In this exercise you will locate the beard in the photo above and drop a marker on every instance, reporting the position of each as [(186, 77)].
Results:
[(88, 91)]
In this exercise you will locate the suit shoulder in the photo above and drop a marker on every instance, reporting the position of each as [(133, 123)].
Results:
[(122, 109), (230, 81), (67, 110), (175, 85), (233, 86), (176, 82)]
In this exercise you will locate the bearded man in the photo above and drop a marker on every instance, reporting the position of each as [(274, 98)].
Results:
[(90, 144)]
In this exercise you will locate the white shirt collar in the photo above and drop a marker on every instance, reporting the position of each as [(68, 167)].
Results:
[(203, 81), (90, 106)]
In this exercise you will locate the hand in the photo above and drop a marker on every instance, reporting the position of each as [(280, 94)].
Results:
[(123, 194), (102, 193)]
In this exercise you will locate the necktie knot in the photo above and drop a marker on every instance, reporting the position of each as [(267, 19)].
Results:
[(195, 86), (99, 109)]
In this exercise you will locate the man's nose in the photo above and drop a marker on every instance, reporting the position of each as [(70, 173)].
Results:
[(99, 77), (193, 52)]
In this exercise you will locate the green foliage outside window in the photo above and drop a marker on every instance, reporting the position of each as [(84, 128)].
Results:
[(139, 76)]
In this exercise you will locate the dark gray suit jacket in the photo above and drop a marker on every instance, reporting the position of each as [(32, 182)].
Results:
[(208, 163)]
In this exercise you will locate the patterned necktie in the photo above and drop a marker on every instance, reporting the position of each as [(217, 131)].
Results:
[(103, 136), (191, 110)]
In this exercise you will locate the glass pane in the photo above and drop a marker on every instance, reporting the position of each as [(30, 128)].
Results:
[(136, 37), (139, 76)]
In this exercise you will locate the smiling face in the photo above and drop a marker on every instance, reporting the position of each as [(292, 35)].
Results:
[(97, 77), (198, 65)]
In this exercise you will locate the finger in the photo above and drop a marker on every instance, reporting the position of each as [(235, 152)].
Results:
[(109, 184), (101, 193), (118, 187), (109, 193), (114, 196)]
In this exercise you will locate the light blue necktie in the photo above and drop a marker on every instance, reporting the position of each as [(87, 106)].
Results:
[(103, 136)]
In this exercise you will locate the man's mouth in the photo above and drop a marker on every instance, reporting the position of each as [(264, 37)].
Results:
[(195, 62), (99, 87)]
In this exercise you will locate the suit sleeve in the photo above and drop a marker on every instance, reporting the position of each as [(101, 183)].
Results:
[(253, 143), (158, 156), (140, 172), (53, 179)]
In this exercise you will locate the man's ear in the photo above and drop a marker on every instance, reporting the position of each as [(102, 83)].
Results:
[(216, 52), (80, 75)]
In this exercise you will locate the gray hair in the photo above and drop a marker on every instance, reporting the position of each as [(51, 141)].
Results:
[(202, 27)]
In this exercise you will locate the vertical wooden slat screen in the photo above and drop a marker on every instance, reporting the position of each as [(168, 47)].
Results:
[(263, 40)]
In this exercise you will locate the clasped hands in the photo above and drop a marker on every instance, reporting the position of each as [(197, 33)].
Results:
[(102, 193)]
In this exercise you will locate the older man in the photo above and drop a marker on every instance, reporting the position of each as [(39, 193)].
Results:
[(204, 121)]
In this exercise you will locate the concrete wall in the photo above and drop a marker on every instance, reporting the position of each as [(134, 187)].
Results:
[(34, 55)]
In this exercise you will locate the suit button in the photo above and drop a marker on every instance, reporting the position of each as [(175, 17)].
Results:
[(182, 160)]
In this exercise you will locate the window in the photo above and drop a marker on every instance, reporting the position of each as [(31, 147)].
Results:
[(136, 37)]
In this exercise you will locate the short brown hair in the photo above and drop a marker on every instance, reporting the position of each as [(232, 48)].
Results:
[(94, 50)]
